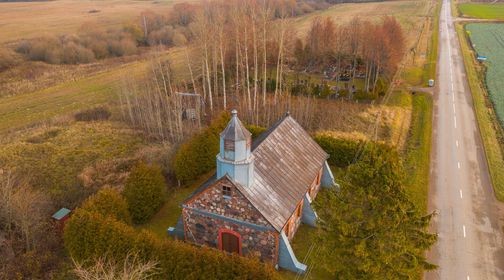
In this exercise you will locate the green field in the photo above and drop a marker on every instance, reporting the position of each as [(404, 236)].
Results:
[(483, 11), (488, 40), (487, 122)]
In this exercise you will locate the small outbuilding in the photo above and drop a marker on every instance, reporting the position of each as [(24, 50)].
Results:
[(62, 215)]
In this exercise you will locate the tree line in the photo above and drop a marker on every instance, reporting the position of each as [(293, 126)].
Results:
[(240, 55), (378, 47)]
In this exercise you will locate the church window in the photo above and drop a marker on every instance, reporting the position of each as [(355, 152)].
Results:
[(299, 210), (287, 228), (226, 191)]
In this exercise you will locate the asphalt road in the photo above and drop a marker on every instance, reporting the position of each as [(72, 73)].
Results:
[(470, 244)]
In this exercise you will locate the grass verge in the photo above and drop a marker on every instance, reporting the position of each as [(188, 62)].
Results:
[(416, 154), (482, 11), (431, 64), (487, 122)]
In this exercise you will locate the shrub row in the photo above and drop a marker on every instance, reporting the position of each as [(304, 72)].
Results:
[(95, 114), (90, 235), (197, 156), (145, 192), (108, 202), (75, 49), (255, 130), (341, 151)]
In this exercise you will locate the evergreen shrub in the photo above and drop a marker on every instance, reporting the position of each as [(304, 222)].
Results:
[(197, 156), (341, 151), (145, 192), (89, 235), (108, 202)]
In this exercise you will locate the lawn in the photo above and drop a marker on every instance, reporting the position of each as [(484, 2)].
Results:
[(487, 122), (306, 247), (168, 214), (482, 11)]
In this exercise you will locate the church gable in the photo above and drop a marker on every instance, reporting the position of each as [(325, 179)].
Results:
[(225, 199)]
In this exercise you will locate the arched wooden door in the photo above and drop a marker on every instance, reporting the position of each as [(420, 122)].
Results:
[(230, 241)]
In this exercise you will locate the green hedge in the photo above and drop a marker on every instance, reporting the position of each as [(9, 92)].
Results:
[(89, 235), (145, 192), (108, 202), (341, 151), (255, 130), (197, 156)]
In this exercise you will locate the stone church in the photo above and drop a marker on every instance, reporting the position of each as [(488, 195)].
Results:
[(261, 193)]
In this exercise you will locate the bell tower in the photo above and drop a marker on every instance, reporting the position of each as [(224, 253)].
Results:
[(235, 158)]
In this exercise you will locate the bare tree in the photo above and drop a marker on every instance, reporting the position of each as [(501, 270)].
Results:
[(23, 210), (131, 268)]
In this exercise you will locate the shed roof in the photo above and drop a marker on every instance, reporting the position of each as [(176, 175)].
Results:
[(287, 160), (62, 213)]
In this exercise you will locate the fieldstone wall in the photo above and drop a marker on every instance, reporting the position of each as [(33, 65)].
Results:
[(235, 206), (204, 230)]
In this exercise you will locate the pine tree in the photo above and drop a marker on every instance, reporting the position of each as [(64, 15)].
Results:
[(371, 230)]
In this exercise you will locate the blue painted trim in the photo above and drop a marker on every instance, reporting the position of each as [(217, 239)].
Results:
[(177, 231), (328, 178), (217, 216), (286, 257), (308, 216)]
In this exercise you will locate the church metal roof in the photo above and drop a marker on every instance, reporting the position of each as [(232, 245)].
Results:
[(235, 130), (287, 161)]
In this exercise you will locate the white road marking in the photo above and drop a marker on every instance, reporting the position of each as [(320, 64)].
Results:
[(460, 191), (454, 108), (468, 277), (458, 164), (453, 97), (455, 120), (456, 143), (463, 228)]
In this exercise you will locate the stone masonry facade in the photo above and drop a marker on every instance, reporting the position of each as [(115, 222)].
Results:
[(203, 229)]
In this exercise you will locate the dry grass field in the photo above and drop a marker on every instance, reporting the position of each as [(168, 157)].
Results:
[(46, 98), (411, 14), (23, 20), (40, 106)]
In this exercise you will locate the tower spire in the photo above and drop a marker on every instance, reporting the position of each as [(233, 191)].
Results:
[(235, 158)]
